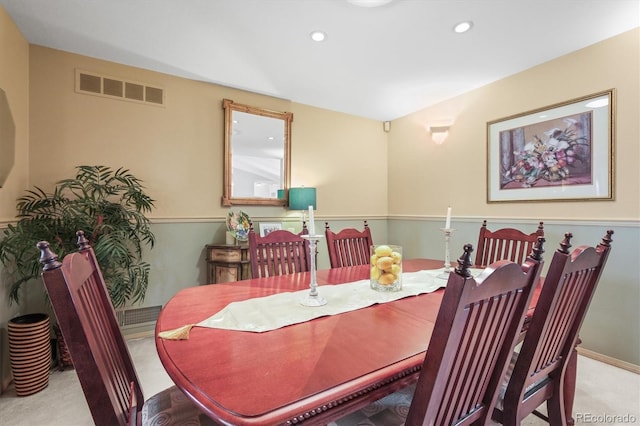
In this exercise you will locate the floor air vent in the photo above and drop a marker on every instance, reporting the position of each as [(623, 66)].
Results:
[(110, 87), (137, 316)]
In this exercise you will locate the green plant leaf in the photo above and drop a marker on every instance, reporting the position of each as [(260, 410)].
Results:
[(108, 205)]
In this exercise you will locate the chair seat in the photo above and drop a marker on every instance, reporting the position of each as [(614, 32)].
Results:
[(391, 410), (172, 407), (507, 378)]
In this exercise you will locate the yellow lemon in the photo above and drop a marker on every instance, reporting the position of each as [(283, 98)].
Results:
[(375, 273), (384, 263), (374, 259), (386, 279), (395, 269), (397, 257), (383, 250)]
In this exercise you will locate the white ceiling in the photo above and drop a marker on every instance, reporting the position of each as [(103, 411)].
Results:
[(380, 63)]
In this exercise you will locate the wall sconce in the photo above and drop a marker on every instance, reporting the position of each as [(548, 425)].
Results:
[(439, 133)]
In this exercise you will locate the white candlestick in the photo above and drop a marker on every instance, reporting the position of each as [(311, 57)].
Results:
[(447, 263), (312, 224), (447, 224), (313, 298)]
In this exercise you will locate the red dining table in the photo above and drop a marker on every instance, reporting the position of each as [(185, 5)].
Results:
[(315, 371)]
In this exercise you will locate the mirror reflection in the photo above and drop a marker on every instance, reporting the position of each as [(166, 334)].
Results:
[(257, 146)]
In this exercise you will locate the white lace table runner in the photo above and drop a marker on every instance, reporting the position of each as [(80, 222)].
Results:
[(282, 309)]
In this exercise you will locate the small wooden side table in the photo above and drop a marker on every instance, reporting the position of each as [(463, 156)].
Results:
[(227, 263)]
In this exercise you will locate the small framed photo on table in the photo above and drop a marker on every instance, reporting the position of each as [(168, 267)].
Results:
[(268, 227)]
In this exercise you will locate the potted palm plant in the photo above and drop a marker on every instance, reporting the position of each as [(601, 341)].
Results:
[(108, 205)]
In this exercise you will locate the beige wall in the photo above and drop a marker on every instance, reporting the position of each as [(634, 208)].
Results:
[(345, 157), (460, 163), (177, 149), (425, 178), (14, 80)]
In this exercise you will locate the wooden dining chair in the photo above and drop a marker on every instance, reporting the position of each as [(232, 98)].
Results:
[(278, 253), (505, 243), (99, 353), (474, 335), (349, 247), (544, 370)]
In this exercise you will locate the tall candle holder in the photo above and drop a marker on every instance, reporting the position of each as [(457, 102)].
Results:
[(447, 263), (313, 298)]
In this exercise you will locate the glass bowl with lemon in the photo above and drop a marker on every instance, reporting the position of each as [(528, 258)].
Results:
[(386, 267)]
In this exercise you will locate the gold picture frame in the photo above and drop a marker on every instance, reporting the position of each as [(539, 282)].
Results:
[(562, 152)]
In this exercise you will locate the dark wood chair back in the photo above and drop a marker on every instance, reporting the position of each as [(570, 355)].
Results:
[(476, 330), (278, 253), (506, 243), (349, 247), (539, 371), (89, 326)]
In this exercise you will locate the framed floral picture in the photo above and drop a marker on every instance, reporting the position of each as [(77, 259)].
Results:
[(267, 228), (563, 152)]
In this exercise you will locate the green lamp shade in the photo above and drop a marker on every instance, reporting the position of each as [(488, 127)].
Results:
[(302, 198)]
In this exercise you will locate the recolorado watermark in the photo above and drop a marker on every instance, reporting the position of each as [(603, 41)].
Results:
[(605, 418)]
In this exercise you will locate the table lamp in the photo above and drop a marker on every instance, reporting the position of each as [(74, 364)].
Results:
[(301, 198)]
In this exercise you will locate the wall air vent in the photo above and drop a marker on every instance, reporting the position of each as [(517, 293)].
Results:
[(137, 316), (109, 87)]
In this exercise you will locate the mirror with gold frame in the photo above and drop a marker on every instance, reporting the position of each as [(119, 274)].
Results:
[(257, 162)]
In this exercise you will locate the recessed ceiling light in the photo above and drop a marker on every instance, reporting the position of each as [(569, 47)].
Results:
[(318, 36), (463, 27)]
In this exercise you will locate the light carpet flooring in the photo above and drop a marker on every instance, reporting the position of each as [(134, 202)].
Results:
[(604, 394)]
